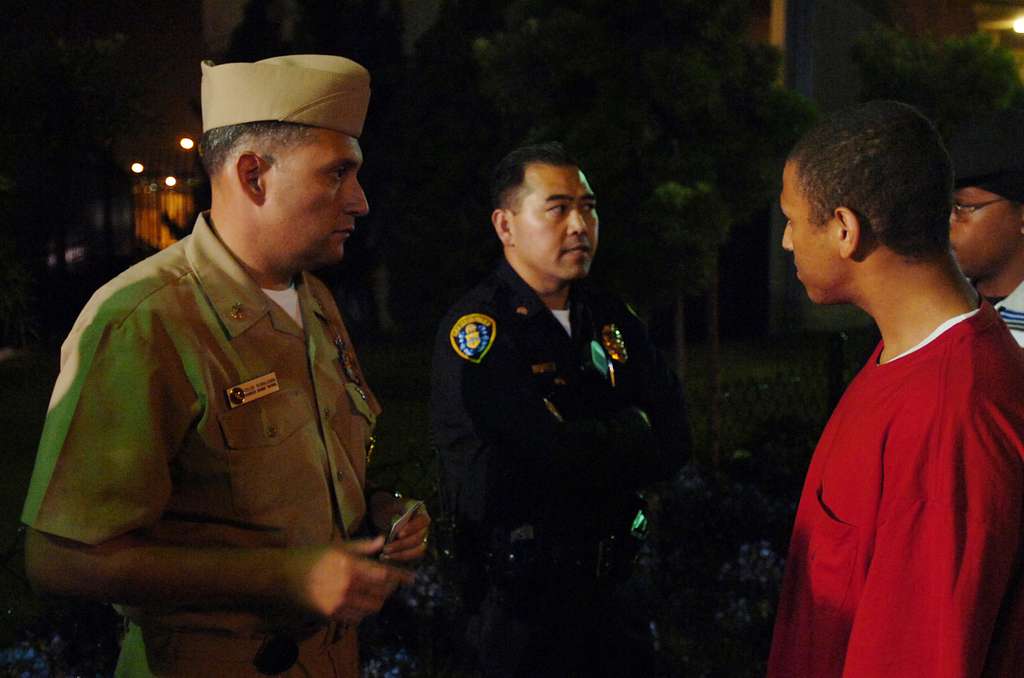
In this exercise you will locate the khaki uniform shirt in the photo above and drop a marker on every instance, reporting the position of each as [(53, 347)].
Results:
[(142, 436)]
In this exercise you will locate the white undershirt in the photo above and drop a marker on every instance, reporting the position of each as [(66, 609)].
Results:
[(563, 319), (935, 334), (288, 299)]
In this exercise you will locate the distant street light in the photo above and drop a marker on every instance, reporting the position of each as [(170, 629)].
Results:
[(1018, 25), (170, 181), (186, 143), (138, 167)]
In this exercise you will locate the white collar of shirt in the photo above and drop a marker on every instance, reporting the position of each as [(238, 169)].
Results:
[(935, 334), (562, 316), (288, 299)]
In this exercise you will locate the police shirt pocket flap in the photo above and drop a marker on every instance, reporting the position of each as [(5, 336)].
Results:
[(264, 422)]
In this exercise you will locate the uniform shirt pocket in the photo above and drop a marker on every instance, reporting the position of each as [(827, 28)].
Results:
[(264, 422), (272, 463), (831, 559)]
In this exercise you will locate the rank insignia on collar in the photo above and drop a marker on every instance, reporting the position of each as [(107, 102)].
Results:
[(472, 336), (614, 344)]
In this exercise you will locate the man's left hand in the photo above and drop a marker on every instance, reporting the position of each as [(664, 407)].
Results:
[(410, 542)]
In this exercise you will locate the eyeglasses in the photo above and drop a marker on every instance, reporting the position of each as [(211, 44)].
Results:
[(964, 212)]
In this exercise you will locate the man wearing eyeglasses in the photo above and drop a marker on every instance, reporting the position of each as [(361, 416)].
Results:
[(987, 221)]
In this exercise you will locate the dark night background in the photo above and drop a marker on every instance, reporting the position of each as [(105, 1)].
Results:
[(680, 111)]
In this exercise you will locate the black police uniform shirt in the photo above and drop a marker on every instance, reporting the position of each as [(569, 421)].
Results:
[(526, 436)]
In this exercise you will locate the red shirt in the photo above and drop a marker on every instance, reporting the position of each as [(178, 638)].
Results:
[(905, 558)]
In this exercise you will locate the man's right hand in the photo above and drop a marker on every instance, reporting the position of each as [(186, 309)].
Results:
[(343, 583)]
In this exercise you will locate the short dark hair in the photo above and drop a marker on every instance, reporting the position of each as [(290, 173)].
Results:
[(510, 172), (885, 161), (216, 145)]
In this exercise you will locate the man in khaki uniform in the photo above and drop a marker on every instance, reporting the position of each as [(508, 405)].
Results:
[(203, 459)]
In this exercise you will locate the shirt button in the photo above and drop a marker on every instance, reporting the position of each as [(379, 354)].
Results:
[(272, 431), (340, 475), (327, 413)]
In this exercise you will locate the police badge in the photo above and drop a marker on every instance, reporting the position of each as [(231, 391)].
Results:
[(614, 344), (472, 336)]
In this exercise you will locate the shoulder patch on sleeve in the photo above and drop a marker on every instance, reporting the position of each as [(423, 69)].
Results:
[(472, 336)]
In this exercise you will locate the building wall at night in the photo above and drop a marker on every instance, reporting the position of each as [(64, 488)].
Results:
[(161, 213)]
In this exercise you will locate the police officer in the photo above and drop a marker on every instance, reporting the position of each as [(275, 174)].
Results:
[(987, 222), (551, 409), (202, 463)]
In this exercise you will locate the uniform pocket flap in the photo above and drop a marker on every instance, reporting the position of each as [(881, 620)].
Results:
[(264, 422)]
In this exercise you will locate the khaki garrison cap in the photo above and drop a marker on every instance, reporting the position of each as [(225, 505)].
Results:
[(311, 89)]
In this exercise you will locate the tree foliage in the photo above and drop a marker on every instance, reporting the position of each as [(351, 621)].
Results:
[(259, 35), (450, 137), (949, 80), (680, 124), (677, 115)]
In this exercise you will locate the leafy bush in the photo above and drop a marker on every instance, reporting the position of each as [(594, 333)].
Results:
[(18, 322)]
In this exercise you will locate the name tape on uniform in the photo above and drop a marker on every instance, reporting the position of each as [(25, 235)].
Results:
[(252, 390)]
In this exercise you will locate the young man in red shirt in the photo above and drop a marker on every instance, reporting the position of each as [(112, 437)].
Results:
[(905, 558)]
